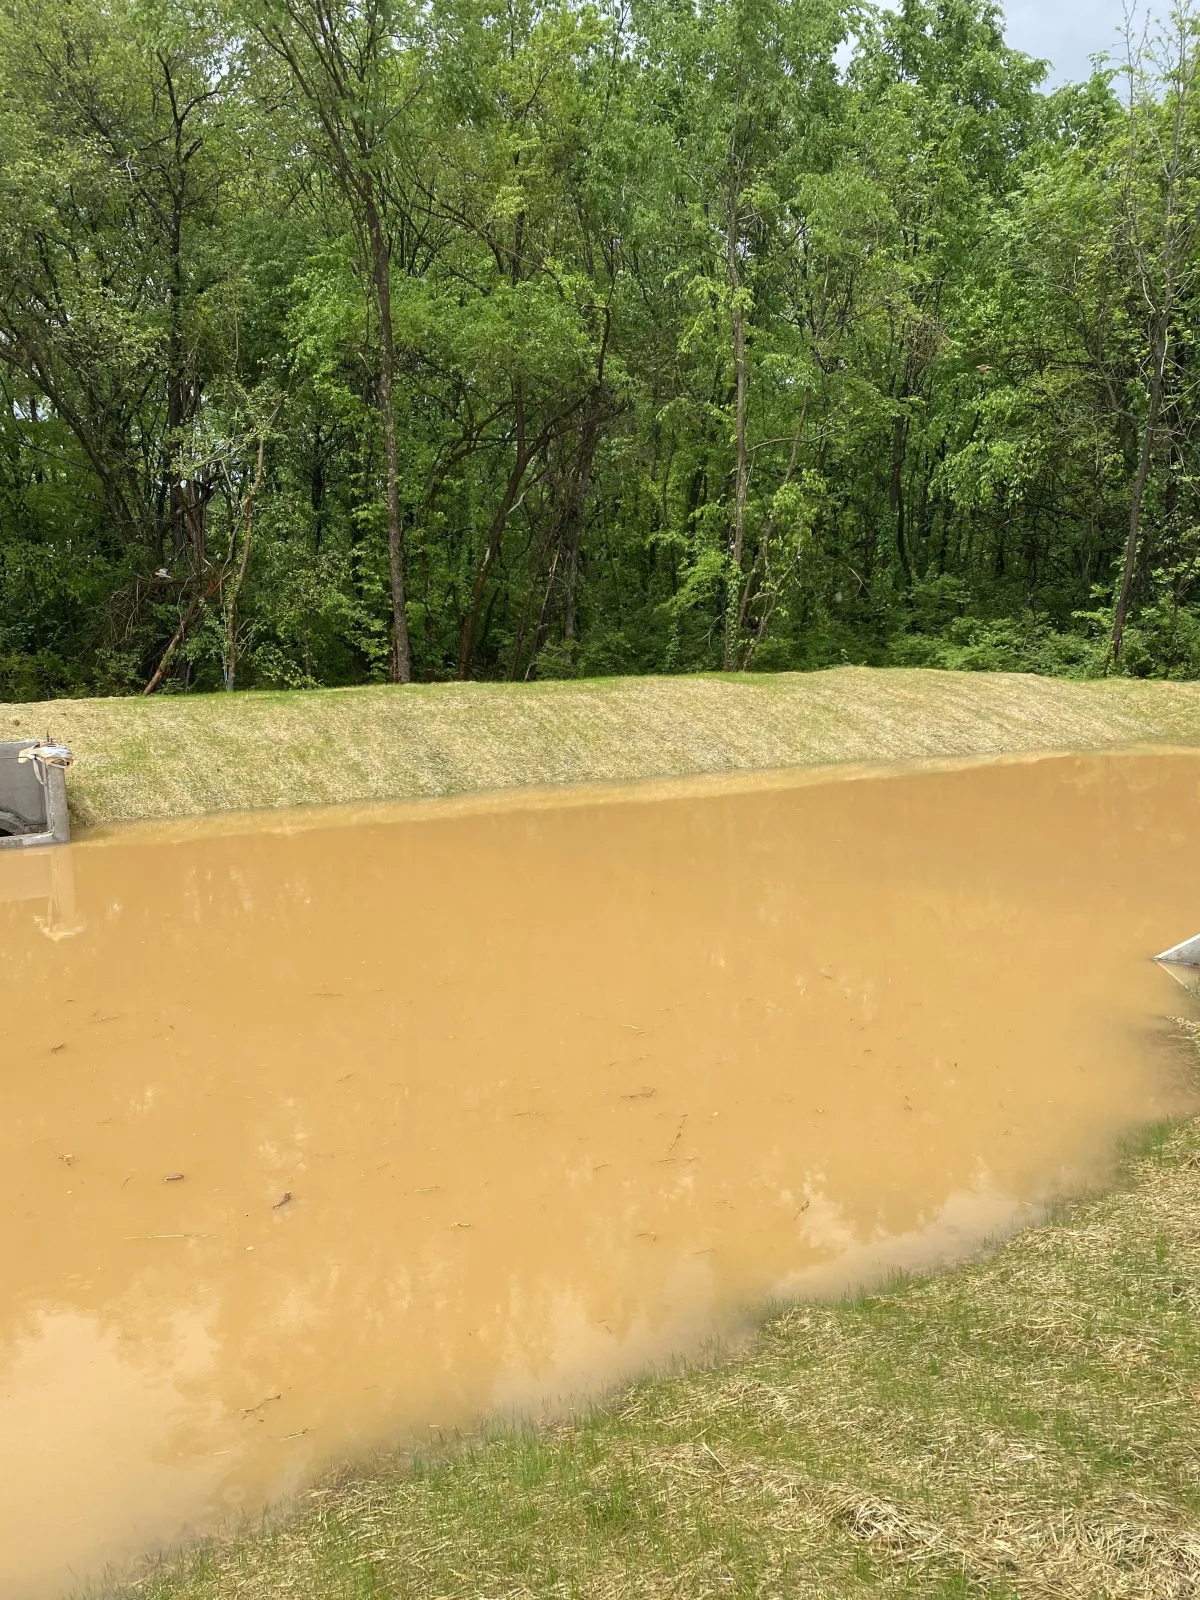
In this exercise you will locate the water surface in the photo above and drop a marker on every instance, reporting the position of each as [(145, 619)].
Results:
[(318, 1134)]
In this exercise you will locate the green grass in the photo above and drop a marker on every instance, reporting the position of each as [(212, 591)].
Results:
[(187, 755), (1028, 1425)]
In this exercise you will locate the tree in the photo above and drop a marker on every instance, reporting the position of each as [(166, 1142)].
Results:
[(343, 59), (1159, 220)]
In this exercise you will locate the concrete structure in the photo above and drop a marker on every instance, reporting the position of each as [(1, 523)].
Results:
[(1186, 954), (33, 798)]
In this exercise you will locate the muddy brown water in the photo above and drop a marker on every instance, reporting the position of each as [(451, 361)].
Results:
[(320, 1137)]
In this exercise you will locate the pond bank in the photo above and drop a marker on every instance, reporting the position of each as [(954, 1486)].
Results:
[(1023, 1426), (189, 755)]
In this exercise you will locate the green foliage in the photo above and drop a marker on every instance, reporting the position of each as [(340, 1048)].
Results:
[(746, 334)]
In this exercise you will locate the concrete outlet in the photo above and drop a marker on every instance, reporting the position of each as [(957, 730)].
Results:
[(33, 794)]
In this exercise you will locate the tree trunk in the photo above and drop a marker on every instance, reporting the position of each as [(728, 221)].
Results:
[(401, 664), (587, 454), (539, 631), (1157, 369), (235, 588), (175, 397), (581, 483), (762, 559), (741, 472), (570, 585), (896, 494), (495, 534)]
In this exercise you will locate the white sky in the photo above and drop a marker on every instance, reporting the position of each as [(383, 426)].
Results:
[(1065, 32)]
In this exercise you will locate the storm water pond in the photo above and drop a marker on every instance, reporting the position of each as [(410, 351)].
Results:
[(327, 1132)]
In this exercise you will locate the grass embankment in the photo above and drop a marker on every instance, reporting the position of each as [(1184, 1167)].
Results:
[(1025, 1426), (186, 755)]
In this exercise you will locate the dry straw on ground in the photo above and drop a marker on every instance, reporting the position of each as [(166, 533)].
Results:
[(187, 755)]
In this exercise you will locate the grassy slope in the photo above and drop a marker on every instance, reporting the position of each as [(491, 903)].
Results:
[(183, 756), (1025, 1426)]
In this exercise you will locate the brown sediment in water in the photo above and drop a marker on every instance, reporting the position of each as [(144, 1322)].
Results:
[(314, 1141)]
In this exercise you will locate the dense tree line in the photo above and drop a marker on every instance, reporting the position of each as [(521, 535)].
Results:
[(347, 339)]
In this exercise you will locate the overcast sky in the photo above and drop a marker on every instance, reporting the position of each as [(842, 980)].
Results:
[(1065, 32)]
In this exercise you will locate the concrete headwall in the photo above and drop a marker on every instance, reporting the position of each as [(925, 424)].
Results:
[(30, 812)]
